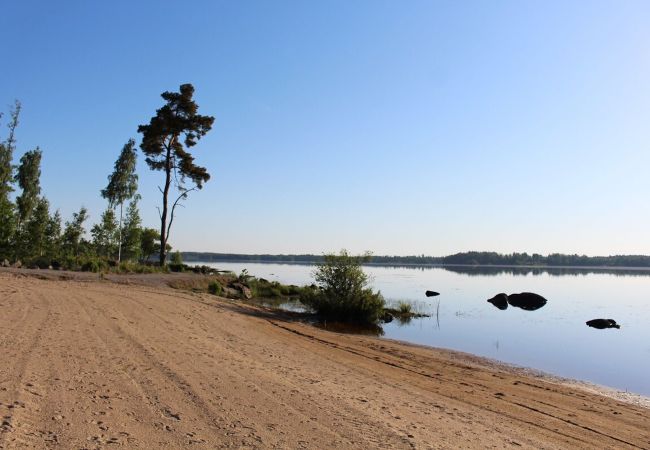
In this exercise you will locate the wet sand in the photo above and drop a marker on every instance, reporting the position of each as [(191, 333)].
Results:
[(90, 363)]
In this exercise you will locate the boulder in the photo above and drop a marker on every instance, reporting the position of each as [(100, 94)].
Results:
[(243, 290), (6, 263), (601, 324), (500, 301), (17, 264), (431, 293), (526, 300)]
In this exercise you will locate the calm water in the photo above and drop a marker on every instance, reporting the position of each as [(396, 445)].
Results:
[(554, 338)]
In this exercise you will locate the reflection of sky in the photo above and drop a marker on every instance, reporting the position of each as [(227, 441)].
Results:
[(554, 338)]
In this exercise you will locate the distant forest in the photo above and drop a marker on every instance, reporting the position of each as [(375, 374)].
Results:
[(466, 258)]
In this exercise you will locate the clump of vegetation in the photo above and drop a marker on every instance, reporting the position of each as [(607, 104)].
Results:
[(176, 263), (262, 288), (215, 288), (403, 311), (404, 307), (342, 291)]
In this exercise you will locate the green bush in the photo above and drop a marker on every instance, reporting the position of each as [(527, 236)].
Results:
[(94, 265), (40, 262), (173, 267), (342, 291), (215, 288), (134, 267)]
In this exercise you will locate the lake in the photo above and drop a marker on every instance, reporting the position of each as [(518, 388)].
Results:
[(554, 338)]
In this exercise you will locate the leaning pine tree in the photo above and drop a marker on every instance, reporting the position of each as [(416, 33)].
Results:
[(122, 184), (165, 141)]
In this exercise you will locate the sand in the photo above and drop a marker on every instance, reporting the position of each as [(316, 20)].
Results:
[(98, 364)]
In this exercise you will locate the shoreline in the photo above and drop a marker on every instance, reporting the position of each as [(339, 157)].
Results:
[(632, 398), (125, 359), (164, 279)]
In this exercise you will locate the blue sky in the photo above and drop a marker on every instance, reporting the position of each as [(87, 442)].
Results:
[(397, 127)]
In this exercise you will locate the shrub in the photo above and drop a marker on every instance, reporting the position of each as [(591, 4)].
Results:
[(173, 267), (40, 262), (215, 288), (342, 291), (93, 265)]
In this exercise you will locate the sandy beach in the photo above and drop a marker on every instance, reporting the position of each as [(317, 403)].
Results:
[(125, 362)]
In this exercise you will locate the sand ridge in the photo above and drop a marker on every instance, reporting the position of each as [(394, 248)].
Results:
[(95, 364)]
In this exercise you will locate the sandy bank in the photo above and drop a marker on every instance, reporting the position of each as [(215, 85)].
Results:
[(88, 363)]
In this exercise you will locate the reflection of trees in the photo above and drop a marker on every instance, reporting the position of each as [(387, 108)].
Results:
[(536, 271)]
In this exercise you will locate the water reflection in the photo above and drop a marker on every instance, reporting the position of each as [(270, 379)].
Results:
[(536, 271), (342, 327)]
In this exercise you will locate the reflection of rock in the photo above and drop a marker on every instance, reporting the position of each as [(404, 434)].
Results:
[(431, 293), (500, 301), (526, 300), (601, 324)]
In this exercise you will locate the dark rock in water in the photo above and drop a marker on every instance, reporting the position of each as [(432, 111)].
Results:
[(601, 324), (500, 301), (431, 293), (526, 300), (387, 317)]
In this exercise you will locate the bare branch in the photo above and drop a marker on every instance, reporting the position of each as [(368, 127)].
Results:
[(182, 196)]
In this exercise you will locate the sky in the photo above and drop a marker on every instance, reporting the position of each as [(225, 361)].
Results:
[(414, 127)]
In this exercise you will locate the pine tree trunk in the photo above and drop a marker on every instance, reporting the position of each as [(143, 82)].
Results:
[(163, 216)]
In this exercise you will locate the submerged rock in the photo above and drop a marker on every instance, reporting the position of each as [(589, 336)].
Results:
[(601, 324), (500, 301), (431, 293)]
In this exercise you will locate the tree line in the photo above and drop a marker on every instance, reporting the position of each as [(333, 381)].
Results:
[(471, 258), (32, 235)]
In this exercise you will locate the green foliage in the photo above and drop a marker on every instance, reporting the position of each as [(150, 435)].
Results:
[(165, 141), (404, 307), (122, 185), (7, 228), (105, 234), (94, 264), (123, 182), (53, 236), (176, 258), (7, 148), (34, 239), (7, 208), (215, 288), (148, 243), (132, 232), (73, 244), (135, 267), (28, 178), (342, 291)]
